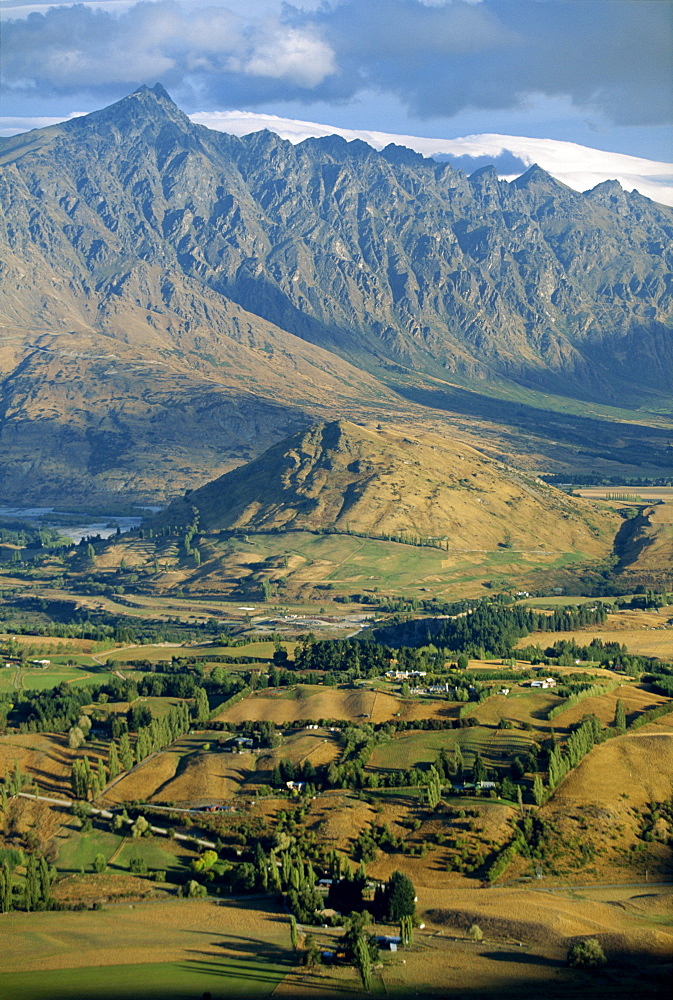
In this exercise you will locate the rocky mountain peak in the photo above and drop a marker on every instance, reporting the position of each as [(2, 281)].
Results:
[(146, 107), (535, 176)]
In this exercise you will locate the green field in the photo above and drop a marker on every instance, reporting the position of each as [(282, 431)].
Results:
[(418, 747), (42, 678), (78, 850), (347, 563), (225, 977)]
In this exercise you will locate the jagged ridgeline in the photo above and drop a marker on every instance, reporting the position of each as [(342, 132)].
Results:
[(394, 484), (174, 300)]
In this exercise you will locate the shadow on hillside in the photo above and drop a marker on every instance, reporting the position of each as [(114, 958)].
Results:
[(633, 444)]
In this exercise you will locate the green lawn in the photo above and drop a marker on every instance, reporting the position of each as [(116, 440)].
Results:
[(42, 678), (222, 978)]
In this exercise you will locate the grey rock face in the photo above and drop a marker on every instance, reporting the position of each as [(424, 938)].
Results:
[(155, 241)]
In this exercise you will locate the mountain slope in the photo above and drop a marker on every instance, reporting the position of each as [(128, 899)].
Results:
[(342, 477), (174, 299)]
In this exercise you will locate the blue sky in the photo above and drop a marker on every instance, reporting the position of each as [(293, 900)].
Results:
[(594, 72)]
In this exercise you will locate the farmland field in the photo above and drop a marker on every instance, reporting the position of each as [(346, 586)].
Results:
[(418, 747), (176, 949), (634, 698), (318, 746), (521, 705), (642, 632), (186, 772), (44, 757), (646, 493), (77, 850)]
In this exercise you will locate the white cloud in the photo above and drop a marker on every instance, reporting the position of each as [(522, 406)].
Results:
[(295, 55), (580, 167), (15, 125)]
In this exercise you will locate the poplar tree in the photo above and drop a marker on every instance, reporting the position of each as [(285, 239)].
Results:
[(125, 752), (363, 960), (538, 790), (31, 887), (113, 761), (201, 706), (102, 777), (5, 888)]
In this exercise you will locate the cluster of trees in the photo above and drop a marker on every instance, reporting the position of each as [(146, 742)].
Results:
[(34, 893), (85, 779), (565, 652), (168, 728), (393, 900), (491, 626), (360, 659), (51, 711), (578, 745), (662, 680)]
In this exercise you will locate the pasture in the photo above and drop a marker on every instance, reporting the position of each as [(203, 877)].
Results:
[(417, 747), (521, 706), (642, 632), (319, 746), (315, 702), (77, 850), (186, 772), (44, 757), (635, 494), (314, 568), (636, 700), (159, 949)]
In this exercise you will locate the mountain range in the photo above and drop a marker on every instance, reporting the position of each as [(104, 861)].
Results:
[(176, 299)]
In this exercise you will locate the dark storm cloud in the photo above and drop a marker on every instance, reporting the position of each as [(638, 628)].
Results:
[(611, 57)]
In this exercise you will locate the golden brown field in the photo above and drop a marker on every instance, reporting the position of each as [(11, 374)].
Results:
[(137, 933), (642, 632), (306, 702), (635, 699), (320, 747), (598, 813), (44, 757), (184, 775)]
